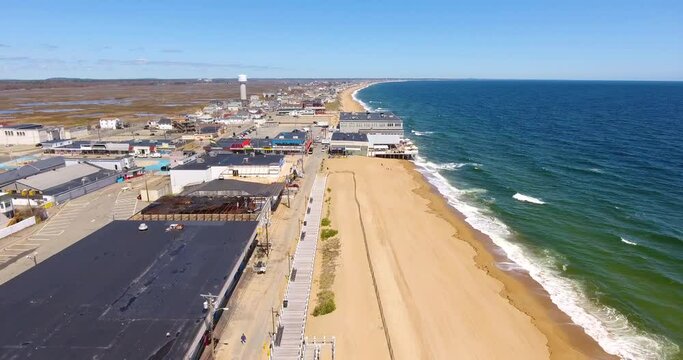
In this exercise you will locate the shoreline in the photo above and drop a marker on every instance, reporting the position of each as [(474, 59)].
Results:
[(565, 339)]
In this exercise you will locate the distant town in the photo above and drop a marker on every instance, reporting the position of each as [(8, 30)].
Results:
[(247, 168)]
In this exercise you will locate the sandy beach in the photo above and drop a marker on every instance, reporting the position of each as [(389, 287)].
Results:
[(414, 281)]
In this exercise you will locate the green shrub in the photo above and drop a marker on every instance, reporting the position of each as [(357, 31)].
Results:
[(328, 233), (325, 222), (326, 303)]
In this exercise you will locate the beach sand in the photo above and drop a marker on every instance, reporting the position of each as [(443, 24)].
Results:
[(415, 281)]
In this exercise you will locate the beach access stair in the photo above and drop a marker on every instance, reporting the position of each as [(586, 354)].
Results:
[(288, 343)]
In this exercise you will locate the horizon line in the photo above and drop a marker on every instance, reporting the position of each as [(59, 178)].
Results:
[(333, 78)]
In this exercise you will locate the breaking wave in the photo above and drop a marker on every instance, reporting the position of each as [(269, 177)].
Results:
[(606, 325), (529, 199)]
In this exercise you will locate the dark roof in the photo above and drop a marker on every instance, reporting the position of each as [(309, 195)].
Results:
[(170, 205), (24, 126), (372, 116), (340, 136), (31, 169), (165, 121), (208, 161), (296, 134), (116, 293), (230, 187)]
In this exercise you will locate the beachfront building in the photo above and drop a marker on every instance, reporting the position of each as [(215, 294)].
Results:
[(30, 134), (111, 123), (349, 144), (224, 166), (382, 123), (292, 142)]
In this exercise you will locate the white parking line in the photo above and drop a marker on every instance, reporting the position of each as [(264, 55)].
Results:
[(38, 239), (51, 233)]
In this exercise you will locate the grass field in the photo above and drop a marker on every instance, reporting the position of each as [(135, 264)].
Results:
[(82, 102)]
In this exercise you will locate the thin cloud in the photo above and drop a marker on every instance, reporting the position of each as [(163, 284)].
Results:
[(191, 64), (4, 45), (137, 49), (50, 46), (14, 58), (171, 51)]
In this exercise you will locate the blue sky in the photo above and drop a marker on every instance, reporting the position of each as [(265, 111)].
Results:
[(638, 40)]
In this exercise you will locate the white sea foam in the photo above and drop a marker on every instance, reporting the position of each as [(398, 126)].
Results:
[(529, 199), (604, 324), (448, 166), (421, 133), (355, 97), (627, 241)]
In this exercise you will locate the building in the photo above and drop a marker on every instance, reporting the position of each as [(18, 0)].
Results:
[(6, 207), (291, 142), (236, 188), (30, 134), (123, 293), (72, 148), (165, 124), (109, 162), (10, 177), (67, 182), (382, 123), (111, 123), (349, 144), (221, 166)]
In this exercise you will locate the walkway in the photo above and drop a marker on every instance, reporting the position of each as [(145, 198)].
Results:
[(292, 320)]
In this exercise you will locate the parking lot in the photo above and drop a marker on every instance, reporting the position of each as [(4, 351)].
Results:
[(71, 222)]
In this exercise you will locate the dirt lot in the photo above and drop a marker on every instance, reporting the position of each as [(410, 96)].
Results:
[(84, 102)]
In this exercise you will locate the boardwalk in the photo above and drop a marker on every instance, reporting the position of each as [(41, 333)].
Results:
[(292, 321)]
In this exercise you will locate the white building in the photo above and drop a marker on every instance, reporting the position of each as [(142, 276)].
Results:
[(111, 123), (30, 134), (225, 166), (383, 123), (165, 124)]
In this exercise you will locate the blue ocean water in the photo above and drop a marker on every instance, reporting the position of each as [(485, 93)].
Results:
[(579, 183)]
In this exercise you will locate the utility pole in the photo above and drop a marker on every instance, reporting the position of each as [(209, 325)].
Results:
[(210, 304), (273, 314)]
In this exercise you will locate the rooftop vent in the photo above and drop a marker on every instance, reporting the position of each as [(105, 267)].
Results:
[(143, 227)]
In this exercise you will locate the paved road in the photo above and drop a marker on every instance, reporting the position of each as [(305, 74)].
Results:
[(69, 223), (250, 305)]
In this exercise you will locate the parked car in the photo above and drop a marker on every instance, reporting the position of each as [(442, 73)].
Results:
[(156, 155), (260, 267)]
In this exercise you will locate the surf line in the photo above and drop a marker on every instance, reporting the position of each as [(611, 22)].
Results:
[(372, 270)]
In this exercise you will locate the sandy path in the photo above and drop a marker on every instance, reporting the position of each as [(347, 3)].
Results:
[(357, 308), (436, 301)]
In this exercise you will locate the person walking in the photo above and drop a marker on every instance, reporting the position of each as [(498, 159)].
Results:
[(244, 338)]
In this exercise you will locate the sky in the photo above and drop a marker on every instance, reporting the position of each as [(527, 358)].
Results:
[(597, 39)]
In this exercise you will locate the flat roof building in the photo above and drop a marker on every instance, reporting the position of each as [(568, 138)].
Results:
[(67, 182), (220, 166), (122, 293), (30, 134), (383, 122), (349, 143)]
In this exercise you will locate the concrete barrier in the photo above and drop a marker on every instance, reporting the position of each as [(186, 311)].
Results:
[(21, 225)]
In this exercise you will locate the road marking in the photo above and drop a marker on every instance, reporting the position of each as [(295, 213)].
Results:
[(51, 233), (38, 239)]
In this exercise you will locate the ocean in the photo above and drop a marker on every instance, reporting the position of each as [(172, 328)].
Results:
[(578, 183)]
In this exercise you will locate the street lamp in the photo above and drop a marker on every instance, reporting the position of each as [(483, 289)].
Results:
[(33, 257), (209, 305)]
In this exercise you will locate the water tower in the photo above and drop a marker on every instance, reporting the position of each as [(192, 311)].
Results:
[(243, 86)]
